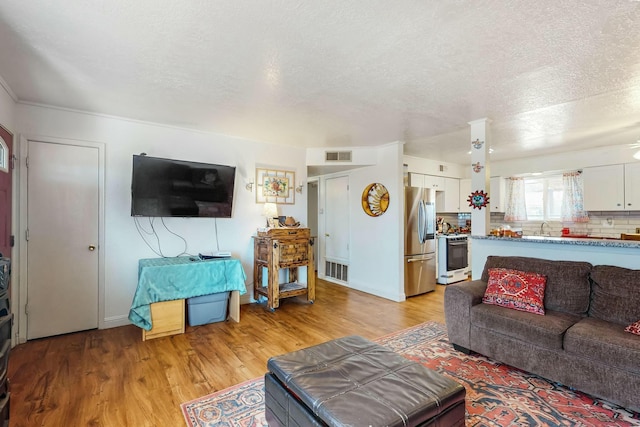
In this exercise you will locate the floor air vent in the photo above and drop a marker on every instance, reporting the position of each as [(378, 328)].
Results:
[(336, 271), (337, 156)]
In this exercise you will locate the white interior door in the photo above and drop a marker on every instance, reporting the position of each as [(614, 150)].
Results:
[(62, 245), (337, 219)]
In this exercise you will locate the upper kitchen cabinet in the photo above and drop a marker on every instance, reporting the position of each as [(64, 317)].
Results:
[(465, 192), (435, 182), (496, 194), (632, 186), (426, 181), (416, 180), (448, 198), (604, 188)]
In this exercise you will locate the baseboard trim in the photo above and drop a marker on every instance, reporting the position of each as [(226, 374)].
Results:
[(396, 297), (114, 322)]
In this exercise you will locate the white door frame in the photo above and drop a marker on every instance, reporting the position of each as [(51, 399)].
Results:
[(322, 197), (20, 299)]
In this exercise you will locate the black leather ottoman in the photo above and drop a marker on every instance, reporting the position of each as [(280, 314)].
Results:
[(352, 381)]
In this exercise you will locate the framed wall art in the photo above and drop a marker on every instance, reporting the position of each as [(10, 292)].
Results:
[(275, 186), (375, 199)]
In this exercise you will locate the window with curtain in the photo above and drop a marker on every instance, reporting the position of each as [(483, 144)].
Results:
[(573, 198), (515, 205), (555, 197), (544, 197)]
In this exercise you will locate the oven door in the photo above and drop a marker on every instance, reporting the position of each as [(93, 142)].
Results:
[(457, 254)]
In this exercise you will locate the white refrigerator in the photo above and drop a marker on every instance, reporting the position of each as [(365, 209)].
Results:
[(420, 243)]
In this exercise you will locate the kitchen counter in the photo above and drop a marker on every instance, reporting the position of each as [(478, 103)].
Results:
[(597, 251), (561, 240)]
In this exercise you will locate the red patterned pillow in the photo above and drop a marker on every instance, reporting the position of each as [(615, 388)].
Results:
[(634, 328), (516, 289)]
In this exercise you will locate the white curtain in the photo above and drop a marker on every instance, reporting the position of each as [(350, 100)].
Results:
[(573, 198), (515, 207)]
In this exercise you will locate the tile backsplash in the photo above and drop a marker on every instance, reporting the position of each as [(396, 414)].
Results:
[(601, 224)]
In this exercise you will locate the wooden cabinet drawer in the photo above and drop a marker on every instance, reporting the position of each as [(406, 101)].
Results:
[(293, 251), (288, 232), (167, 318)]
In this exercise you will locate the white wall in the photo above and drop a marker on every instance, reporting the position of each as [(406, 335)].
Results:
[(375, 264), (565, 161), (435, 167), (123, 138)]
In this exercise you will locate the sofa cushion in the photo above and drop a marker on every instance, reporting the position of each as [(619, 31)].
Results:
[(634, 328), (567, 289), (543, 331), (515, 289), (615, 297), (604, 342)]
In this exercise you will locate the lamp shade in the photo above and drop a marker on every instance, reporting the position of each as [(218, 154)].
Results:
[(270, 210)]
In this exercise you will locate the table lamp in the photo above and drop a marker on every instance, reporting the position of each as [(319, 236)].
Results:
[(270, 211)]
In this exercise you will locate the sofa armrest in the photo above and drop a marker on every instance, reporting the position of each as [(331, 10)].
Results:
[(458, 300)]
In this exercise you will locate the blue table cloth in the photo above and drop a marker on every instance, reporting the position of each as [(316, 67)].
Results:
[(166, 279)]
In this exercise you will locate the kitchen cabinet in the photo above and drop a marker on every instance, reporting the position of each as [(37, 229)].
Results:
[(604, 188), (448, 199), (632, 186), (464, 193), (497, 194), (416, 180), (426, 181), (435, 182)]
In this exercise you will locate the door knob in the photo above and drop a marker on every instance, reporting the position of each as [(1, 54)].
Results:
[(92, 248), (326, 234)]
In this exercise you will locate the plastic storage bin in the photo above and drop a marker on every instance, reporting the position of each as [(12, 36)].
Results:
[(207, 308)]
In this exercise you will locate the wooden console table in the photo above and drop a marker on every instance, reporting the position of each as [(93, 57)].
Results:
[(283, 248)]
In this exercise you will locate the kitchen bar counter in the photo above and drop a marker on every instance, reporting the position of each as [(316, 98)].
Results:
[(597, 251)]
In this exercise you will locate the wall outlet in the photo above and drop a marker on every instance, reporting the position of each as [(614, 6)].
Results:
[(637, 230), (608, 223)]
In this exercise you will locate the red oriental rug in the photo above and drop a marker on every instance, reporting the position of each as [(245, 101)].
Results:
[(497, 395)]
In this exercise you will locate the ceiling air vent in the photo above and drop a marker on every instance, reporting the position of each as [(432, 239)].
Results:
[(337, 156)]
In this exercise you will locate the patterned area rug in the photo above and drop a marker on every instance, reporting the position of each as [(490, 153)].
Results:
[(497, 395)]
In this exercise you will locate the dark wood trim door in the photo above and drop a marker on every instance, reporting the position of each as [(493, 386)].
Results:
[(5, 195)]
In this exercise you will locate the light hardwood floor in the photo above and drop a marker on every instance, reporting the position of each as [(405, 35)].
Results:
[(112, 378)]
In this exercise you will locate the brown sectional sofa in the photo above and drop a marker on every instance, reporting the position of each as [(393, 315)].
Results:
[(579, 342)]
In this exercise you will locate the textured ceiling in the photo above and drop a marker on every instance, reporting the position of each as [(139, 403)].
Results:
[(552, 75)]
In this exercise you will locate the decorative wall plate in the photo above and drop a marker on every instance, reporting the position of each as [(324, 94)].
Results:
[(478, 199), (375, 199)]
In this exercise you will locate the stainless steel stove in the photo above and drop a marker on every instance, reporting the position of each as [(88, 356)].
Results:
[(453, 258)]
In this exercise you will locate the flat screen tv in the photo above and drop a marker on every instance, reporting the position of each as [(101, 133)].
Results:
[(167, 188)]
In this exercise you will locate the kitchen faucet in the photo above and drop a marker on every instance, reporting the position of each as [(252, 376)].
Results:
[(542, 228)]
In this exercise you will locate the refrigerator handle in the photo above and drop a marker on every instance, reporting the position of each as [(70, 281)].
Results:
[(426, 258), (422, 221)]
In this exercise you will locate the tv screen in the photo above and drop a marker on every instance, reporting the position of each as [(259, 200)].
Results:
[(167, 187)]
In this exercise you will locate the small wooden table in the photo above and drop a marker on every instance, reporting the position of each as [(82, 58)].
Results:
[(283, 248)]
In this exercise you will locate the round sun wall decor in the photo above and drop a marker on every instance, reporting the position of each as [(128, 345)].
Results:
[(478, 199), (375, 199)]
